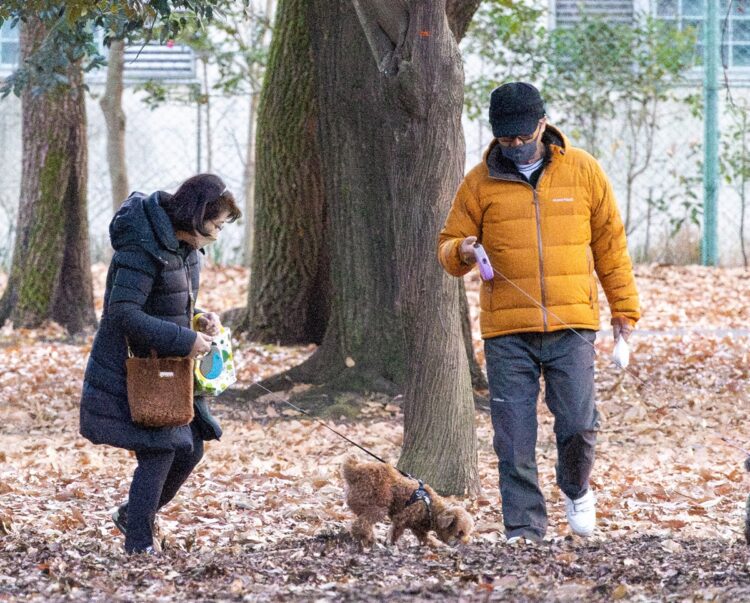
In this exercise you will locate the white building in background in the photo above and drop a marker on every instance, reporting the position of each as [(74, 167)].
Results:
[(164, 145), (682, 13), (679, 130)]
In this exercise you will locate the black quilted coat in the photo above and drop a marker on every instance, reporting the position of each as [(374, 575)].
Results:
[(147, 301)]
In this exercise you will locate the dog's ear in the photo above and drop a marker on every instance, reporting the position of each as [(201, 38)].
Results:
[(446, 520)]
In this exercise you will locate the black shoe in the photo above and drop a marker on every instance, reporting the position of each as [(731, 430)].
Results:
[(149, 551), (120, 517)]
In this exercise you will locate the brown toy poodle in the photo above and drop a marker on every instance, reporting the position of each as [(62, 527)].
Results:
[(374, 490)]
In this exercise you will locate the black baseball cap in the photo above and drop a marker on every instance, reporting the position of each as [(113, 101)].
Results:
[(515, 109)]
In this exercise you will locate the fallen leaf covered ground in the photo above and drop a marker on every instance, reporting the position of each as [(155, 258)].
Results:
[(263, 516)]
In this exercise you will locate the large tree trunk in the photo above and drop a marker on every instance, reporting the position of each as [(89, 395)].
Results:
[(390, 86), (114, 118), (289, 299), (289, 291), (51, 271)]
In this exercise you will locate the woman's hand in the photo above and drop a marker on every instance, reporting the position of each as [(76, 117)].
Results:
[(202, 345), (208, 323)]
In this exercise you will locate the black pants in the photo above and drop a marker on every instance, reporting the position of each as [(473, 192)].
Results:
[(515, 364), (156, 481)]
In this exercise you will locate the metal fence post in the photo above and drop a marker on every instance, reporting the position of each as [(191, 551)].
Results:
[(709, 255)]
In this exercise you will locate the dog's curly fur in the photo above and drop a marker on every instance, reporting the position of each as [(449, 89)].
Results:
[(375, 490)]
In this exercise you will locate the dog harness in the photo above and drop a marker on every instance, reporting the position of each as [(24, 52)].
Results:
[(420, 494)]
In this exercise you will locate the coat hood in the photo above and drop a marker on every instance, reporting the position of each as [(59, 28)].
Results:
[(142, 222)]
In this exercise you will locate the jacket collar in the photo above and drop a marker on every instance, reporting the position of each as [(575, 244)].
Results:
[(499, 167)]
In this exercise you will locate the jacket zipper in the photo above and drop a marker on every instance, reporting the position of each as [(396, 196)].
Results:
[(590, 261), (537, 211), (191, 301)]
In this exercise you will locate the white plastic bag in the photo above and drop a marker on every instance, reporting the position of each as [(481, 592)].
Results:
[(621, 353)]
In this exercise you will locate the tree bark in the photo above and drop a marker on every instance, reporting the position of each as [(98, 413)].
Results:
[(114, 118), (289, 291), (50, 276), (460, 13), (390, 85)]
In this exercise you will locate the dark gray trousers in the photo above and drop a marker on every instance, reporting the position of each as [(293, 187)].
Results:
[(514, 365), (156, 481)]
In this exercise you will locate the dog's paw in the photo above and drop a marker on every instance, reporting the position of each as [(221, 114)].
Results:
[(434, 543)]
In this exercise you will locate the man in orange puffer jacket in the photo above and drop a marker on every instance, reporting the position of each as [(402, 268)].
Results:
[(547, 217)]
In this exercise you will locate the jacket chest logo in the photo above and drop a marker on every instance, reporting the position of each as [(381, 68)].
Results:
[(563, 200)]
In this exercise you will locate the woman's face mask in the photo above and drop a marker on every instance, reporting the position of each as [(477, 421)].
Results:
[(214, 227)]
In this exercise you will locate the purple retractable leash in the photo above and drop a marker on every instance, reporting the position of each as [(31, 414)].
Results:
[(485, 268)]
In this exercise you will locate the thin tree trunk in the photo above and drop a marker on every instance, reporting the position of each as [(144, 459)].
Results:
[(248, 179), (289, 292), (114, 118), (50, 275), (249, 172), (478, 378), (743, 194), (209, 131)]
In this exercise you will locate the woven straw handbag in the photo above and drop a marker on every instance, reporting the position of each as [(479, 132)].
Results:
[(160, 390)]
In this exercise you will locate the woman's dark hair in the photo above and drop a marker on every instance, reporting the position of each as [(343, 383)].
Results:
[(199, 199)]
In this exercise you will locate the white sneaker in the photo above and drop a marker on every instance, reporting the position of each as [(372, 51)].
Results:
[(519, 540), (581, 513)]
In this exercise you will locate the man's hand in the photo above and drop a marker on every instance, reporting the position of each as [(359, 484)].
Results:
[(621, 327), (208, 323), (466, 250)]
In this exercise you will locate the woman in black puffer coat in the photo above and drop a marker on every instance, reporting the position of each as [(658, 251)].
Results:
[(151, 287)]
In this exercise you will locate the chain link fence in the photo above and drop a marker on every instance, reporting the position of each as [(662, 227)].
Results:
[(165, 145), (626, 87), (624, 81)]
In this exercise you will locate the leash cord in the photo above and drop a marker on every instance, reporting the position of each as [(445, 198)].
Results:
[(627, 370), (317, 420), (544, 309)]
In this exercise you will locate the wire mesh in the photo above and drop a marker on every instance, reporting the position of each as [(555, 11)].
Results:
[(624, 85)]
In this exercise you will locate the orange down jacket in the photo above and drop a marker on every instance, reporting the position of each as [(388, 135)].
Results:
[(545, 243)]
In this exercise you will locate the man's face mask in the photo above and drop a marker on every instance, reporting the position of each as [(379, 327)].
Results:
[(523, 153)]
